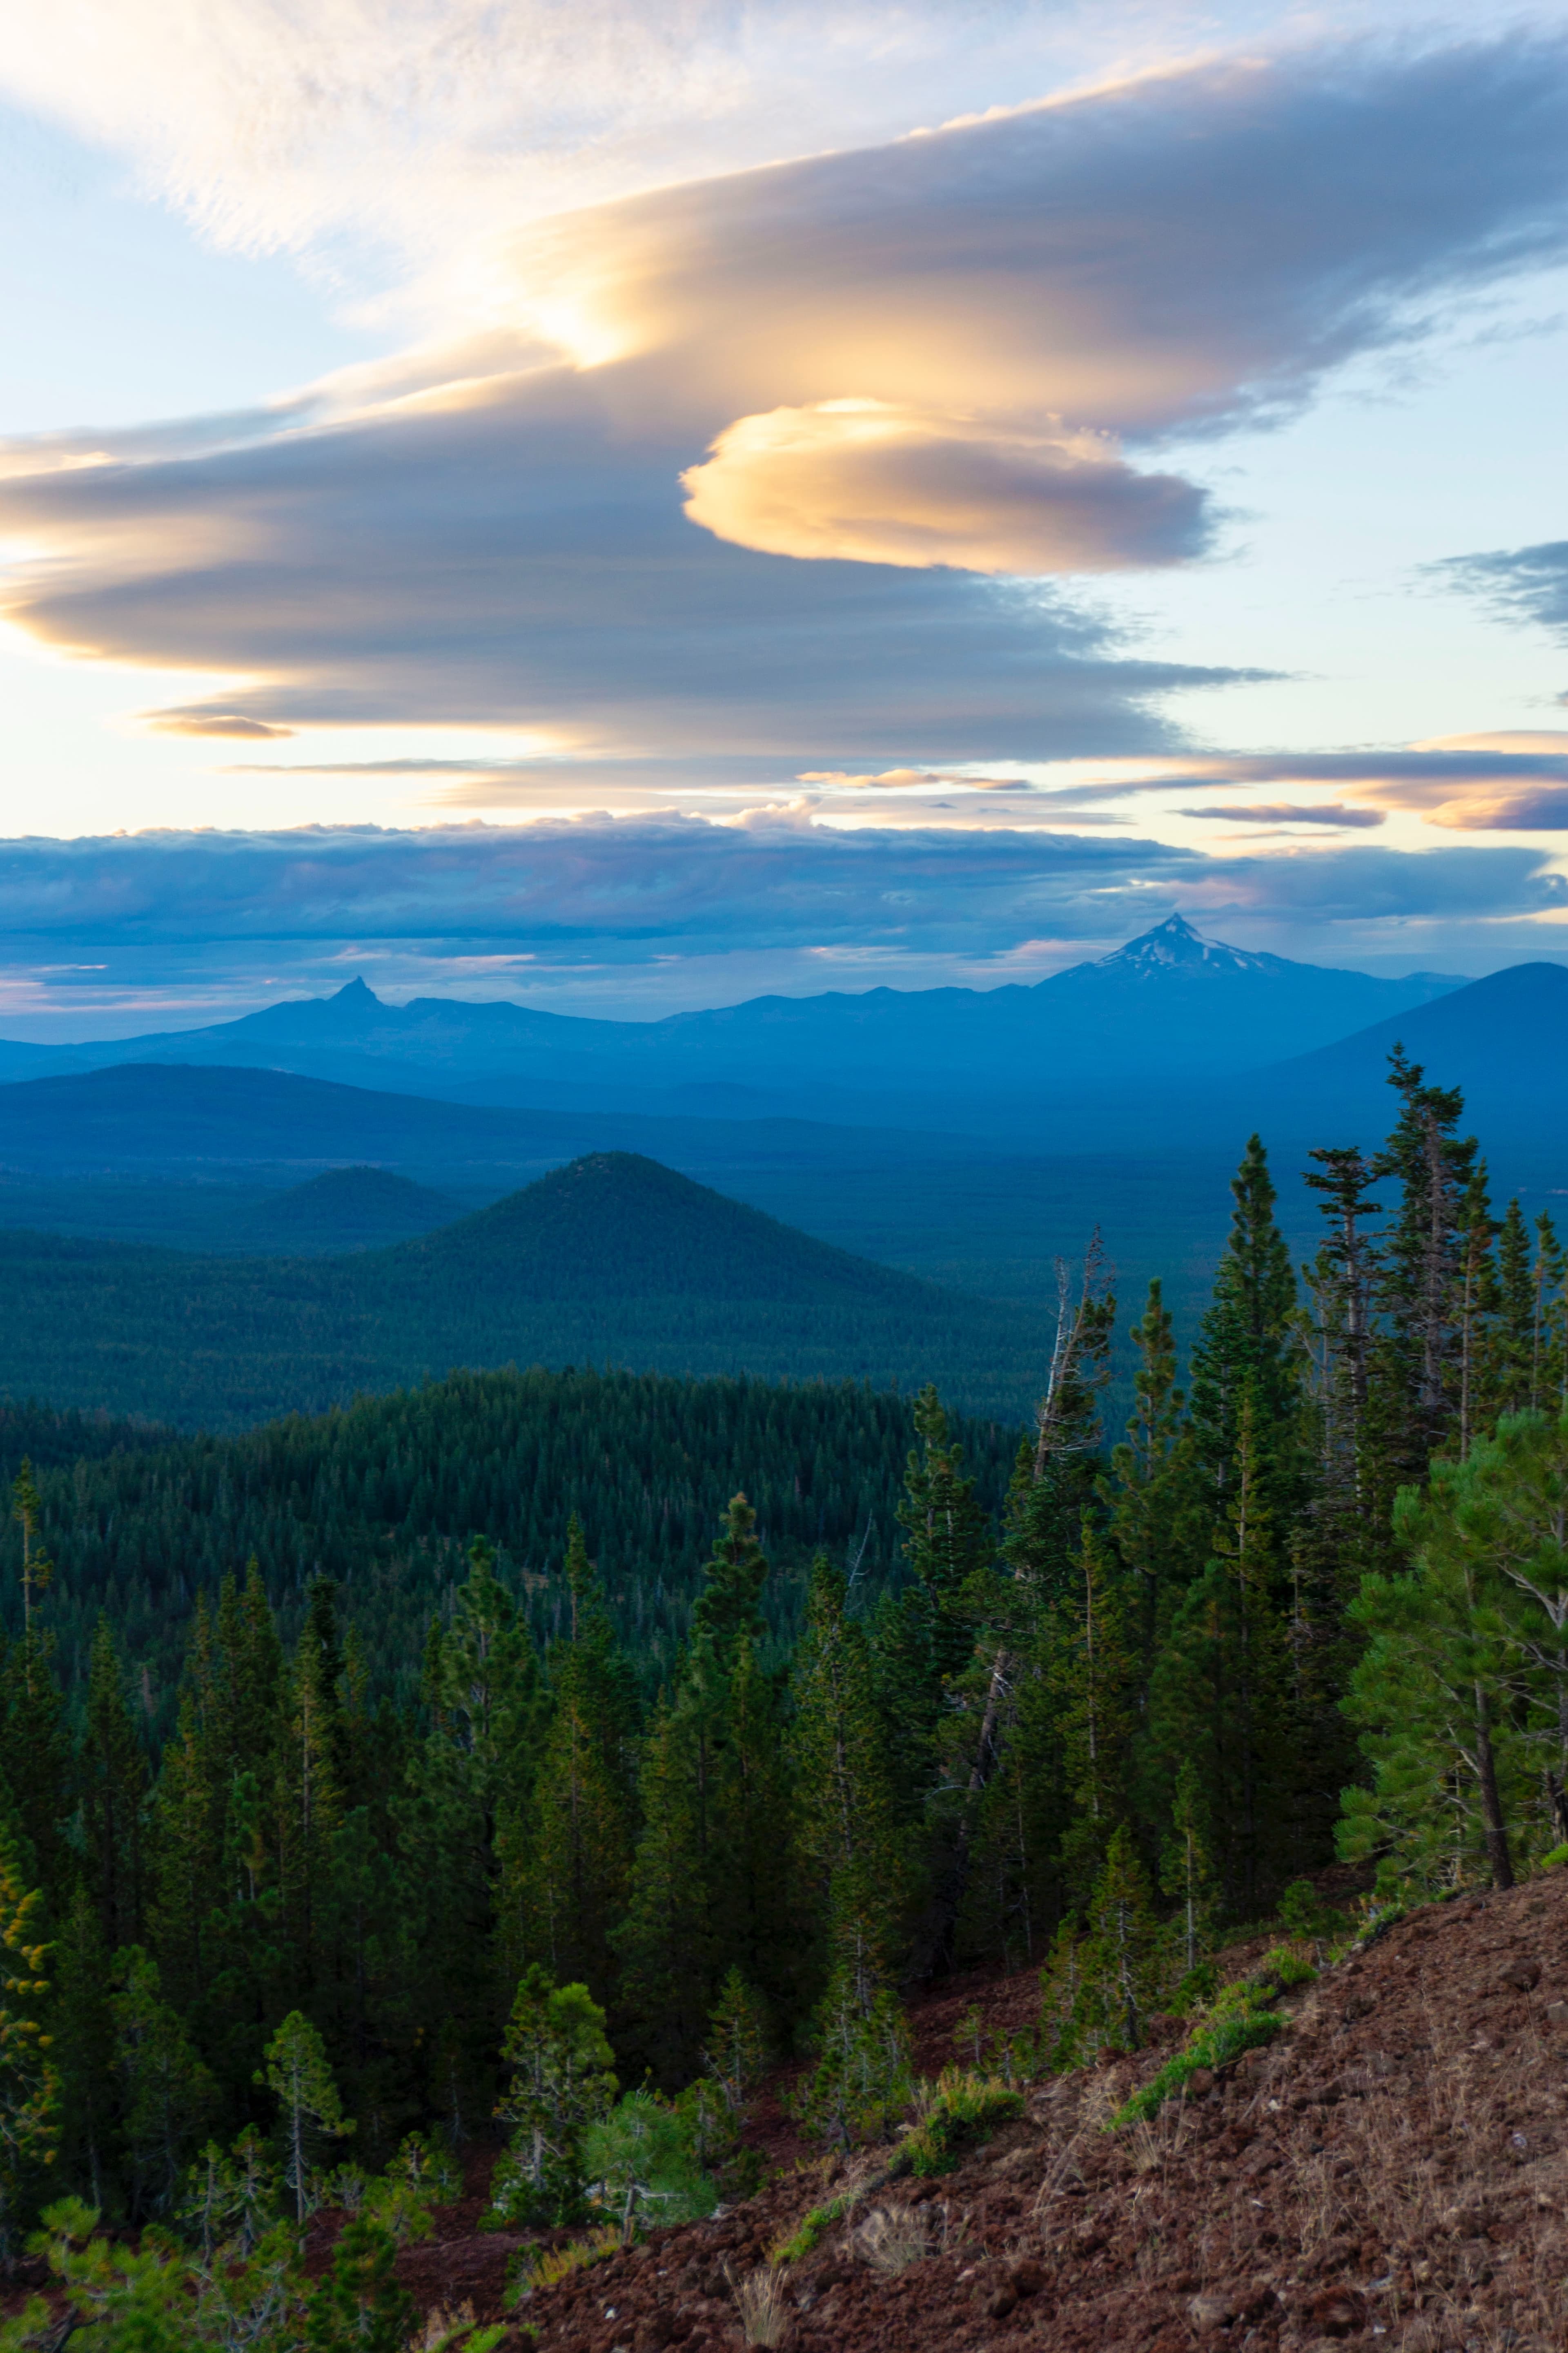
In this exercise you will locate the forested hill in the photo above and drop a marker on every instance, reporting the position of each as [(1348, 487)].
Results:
[(612, 1260), (384, 1497)]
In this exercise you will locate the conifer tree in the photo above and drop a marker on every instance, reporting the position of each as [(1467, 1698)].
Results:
[(168, 2096), (1514, 1382), (36, 1759), (1186, 1874), (561, 2077), (358, 2304), (662, 1940), (736, 2053), (1245, 1347), (1149, 1491), (1421, 1283), (949, 1544), (114, 1781), (575, 1858), (82, 2026), (1094, 1678), (1218, 1688), (1122, 1972), (309, 2109), (472, 1783), (29, 2087), (845, 1838)]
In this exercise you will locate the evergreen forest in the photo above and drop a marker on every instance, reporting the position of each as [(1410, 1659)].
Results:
[(543, 1755)]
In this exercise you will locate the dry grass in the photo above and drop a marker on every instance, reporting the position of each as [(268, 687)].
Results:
[(762, 2304), (441, 2325), (892, 2238)]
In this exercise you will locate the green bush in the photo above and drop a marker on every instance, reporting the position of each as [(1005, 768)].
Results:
[(807, 2232), (965, 2107), (1215, 2046)]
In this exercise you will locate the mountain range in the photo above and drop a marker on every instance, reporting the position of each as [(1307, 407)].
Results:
[(1170, 1005)]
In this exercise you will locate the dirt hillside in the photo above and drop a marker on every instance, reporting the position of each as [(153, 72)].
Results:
[(1393, 2170)]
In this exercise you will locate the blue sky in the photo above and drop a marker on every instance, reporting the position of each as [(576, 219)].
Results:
[(628, 506)]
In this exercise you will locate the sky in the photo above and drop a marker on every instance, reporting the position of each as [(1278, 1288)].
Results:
[(628, 504)]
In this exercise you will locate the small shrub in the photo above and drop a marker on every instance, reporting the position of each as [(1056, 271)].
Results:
[(1299, 1909), (892, 2238), (813, 2228), (764, 2308), (960, 2107), (1196, 1990), (1554, 1858), (547, 2267), (1215, 2045)]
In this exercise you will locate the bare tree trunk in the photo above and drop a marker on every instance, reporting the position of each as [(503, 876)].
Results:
[(1498, 1855)]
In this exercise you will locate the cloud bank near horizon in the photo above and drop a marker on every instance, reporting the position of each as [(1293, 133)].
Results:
[(640, 914)]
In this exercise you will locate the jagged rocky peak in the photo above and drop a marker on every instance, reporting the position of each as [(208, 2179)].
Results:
[(1175, 945)]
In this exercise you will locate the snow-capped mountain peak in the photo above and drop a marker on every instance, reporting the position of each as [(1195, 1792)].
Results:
[(1176, 946)]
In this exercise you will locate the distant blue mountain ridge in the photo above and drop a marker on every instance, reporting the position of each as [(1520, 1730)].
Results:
[(1170, 1007)]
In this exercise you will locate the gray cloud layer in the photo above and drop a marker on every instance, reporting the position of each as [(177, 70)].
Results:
[(1527, 583), (486, 910)]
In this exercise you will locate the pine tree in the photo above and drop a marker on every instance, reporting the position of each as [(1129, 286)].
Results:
[(168, 2096), (1246, 1348), (113, 1780), (736, 2053), (29, 2088), (1121, 1959), (1186, 1874), (1514, 1383), (470, 1786), (1216, 1695), (728, 1605), (845, 1839), (309, 2109), (1149, 1492), (358, 2304), (663, 1938), (1420, 1279), (82, 2026), (949, 1544), (1094, 1674), (575, 1858), (1463, 1693), (561, 2077)]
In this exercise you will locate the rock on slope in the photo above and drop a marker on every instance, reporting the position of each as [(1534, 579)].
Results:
[(1392, 2172)]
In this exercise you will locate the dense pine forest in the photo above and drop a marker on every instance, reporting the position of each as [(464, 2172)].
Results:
[(439, 1768)]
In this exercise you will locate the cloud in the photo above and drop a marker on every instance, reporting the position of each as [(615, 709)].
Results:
[(196, 720), (1520, 583), (1181, 250), (1336, 813), (1167, 250), (879, 484), (907, 779), (519, 561)]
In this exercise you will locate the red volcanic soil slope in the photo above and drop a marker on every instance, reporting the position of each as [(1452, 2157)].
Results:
[(1391, 2172)]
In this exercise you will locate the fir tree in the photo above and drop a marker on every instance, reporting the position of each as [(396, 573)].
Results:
[(309, 2109), (29, 2087), (167, 2095), (113, 1780), (574, 1861), (561, 2077), (1245, 1347), (1421, 1283), (845, 1839)]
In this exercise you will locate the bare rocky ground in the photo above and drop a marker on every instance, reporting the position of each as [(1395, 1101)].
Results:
[(1391, 2170)]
